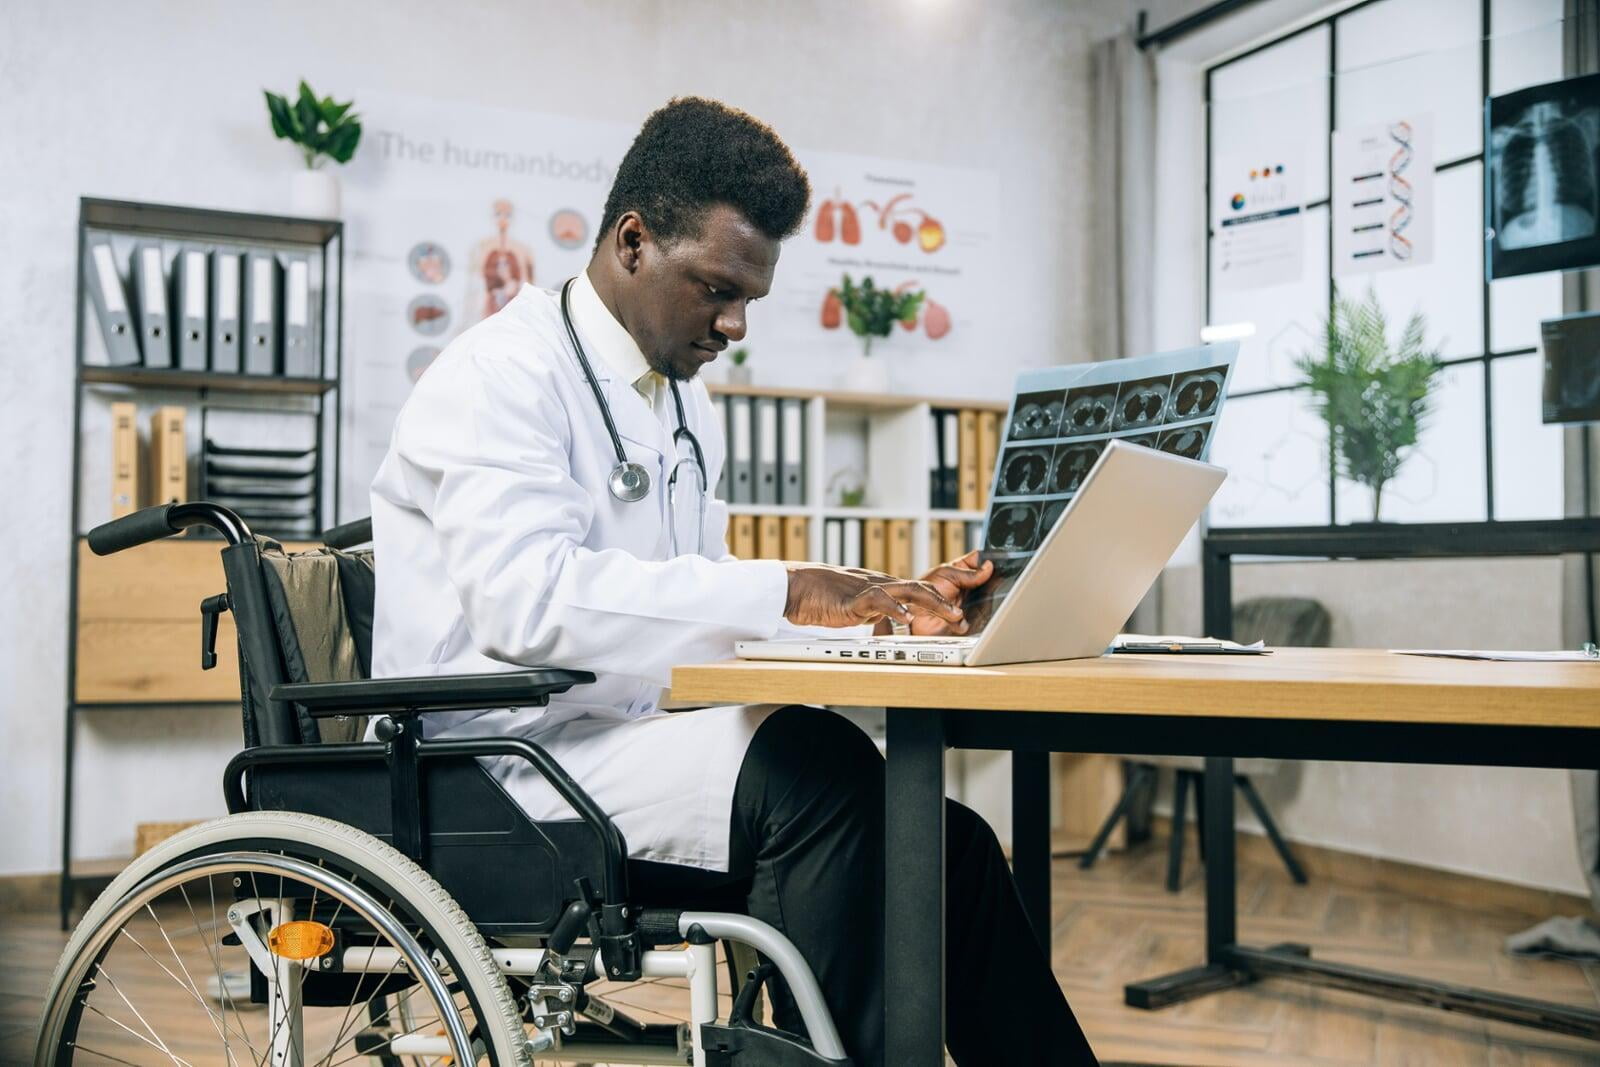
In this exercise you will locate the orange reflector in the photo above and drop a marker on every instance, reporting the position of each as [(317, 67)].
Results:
[(301, 940)]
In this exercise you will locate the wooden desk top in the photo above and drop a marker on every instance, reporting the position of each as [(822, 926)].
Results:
[(1358, 685)]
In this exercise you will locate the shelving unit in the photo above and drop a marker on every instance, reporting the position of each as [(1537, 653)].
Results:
[(885, 439), (133, 631)]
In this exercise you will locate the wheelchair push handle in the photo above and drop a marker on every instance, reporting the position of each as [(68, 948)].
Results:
[(164, 520)]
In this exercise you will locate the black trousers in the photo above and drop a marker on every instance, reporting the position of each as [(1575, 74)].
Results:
[(807, 857)]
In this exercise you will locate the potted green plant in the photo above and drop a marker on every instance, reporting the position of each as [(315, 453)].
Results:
[(739, 366), (324, 129), (872, 313), (1374, 394)]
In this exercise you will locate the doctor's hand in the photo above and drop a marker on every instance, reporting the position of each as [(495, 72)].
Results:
[(822, 595), (952, 581)]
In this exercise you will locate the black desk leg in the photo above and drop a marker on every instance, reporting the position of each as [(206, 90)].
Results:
[(1216, 831), (1220, 970), (914, 888), (1030, 838)]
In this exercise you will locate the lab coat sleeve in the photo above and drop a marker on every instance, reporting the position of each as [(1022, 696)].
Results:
[(485, 456)]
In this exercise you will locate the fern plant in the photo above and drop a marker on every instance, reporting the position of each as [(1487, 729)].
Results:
[(322, 128), (1374, 396), (872, 312)]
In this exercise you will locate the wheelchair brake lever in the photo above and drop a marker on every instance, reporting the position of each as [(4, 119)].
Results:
[(211, 608)]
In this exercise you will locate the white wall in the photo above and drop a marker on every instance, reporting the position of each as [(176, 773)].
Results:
[(1513, 825), (162, 101)]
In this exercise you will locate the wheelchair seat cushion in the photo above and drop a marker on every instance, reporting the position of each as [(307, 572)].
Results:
[(321, 602)]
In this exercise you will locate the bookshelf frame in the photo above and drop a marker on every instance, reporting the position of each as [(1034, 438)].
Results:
[(322, 238), (898, 454)]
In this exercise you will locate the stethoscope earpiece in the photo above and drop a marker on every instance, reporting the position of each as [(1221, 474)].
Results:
[(629, 482)]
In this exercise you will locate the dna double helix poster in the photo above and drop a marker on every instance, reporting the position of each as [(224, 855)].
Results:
[(1383, 206)]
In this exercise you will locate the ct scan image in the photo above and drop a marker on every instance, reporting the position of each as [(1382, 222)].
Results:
[(1543, 174), (1088, 411), (1049, 515), (1014, 528), (1037, 415), (1024, 472), (1141, 404), (1186, 441), (1197, 395), (1072, 464), (980, 604)]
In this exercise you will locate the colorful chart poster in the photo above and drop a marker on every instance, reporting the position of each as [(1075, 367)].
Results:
[(1383, 203), (450, 208), (1258, 210)]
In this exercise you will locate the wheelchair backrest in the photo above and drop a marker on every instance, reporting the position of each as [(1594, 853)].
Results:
[(301, 617)]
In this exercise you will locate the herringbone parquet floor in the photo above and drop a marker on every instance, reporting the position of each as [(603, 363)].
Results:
[(1117, 923)]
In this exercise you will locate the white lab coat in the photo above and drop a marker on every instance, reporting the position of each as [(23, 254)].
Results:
[(500, 546)]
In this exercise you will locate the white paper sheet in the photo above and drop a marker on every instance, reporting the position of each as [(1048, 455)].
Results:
[(1383, 202)]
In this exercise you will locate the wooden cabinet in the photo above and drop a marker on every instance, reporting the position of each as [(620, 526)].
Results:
[(138, 638)]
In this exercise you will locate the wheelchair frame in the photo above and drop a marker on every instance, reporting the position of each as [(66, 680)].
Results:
[(556, 914)]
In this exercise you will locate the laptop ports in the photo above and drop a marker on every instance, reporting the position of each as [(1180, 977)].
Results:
[(899, 655)]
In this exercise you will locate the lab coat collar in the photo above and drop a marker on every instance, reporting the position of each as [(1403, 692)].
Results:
[(611, 347)]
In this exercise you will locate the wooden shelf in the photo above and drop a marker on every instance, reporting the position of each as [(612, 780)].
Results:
[(102, 869), (871, 513), (154, 378), (862, 401), (796, 510), (947, 514)]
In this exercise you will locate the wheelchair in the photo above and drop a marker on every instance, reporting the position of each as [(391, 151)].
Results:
[(387, 901)]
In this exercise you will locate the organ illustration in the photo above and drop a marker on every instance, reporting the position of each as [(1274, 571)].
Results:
[(498, 266)]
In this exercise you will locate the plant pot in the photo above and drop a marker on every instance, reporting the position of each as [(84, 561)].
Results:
[(314, 194), (867, 375), (738, 374)]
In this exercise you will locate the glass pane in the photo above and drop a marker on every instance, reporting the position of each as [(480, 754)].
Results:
[(1407, 57), (1261, 104), (1527, 453), (1525, 44), (1275, 450), (1449, 290), (1441, 478), (1287, 318), (1518, 305)]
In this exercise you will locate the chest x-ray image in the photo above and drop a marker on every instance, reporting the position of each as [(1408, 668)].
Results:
[(1543, 178), (1571, 368)]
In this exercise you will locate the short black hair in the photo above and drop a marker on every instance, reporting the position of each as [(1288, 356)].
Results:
[(695, 153)]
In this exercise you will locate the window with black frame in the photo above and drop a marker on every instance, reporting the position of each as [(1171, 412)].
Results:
[(1347, 159)]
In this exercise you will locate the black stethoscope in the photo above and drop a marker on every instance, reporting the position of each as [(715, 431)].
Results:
[(628, 480)]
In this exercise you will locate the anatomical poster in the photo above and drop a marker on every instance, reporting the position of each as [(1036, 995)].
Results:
[(1257, 201), (1383, 204), (451, 208)]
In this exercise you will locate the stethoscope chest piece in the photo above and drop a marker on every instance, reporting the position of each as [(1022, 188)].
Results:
[(629, 482)]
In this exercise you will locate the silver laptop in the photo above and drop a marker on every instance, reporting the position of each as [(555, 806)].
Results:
[(1070, 597)]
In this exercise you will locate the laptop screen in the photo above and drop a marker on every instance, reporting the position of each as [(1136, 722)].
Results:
[(1058, 424)]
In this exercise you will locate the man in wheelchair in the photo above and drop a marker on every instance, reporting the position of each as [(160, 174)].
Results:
[(506, 541), (551, 548)]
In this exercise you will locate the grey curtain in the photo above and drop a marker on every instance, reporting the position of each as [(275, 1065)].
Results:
[(1122, 108), (1122, 103)]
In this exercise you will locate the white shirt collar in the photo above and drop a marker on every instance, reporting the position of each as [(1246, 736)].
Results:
[(607, 338)]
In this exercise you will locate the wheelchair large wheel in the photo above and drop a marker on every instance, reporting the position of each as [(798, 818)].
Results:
[(282, 940)]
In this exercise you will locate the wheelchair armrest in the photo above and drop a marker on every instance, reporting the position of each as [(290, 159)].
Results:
[(425, 693)]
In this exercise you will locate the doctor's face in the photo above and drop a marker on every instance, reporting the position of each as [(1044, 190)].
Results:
[(689, 296)]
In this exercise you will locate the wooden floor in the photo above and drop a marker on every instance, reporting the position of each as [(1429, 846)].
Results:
[(1116, 923)]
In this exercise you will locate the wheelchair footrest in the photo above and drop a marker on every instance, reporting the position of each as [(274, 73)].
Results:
[(743, 1046)]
